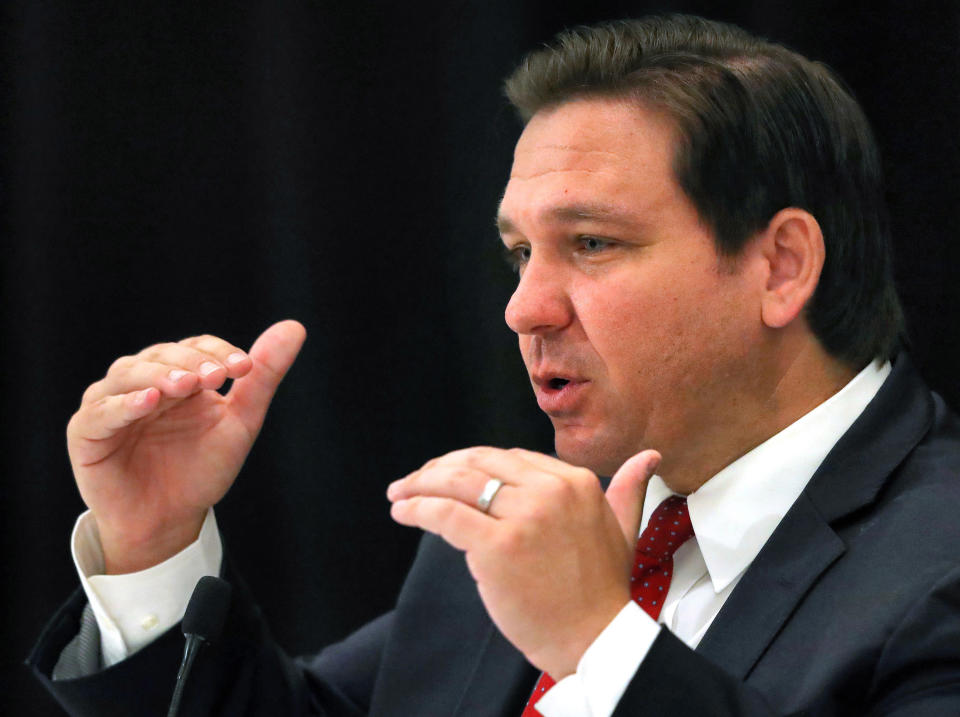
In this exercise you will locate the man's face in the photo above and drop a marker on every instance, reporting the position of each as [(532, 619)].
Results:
[(632, 330)]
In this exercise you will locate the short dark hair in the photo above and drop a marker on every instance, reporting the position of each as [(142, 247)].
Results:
[(760, 128)]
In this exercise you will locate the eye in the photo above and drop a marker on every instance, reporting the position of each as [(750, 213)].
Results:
[(517, 257), (593, 244)]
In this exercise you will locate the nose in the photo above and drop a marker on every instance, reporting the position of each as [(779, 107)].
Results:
[(541, 303)]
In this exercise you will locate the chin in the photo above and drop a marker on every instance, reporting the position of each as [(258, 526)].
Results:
[(580, 447)]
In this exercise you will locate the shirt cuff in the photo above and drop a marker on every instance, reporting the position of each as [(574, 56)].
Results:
[(134, 609), (606, 668)]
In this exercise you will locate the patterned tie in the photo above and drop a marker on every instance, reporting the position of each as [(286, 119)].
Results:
[(669, 528)]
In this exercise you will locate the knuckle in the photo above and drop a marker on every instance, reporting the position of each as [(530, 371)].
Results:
[(192, 341), (408, 507), (458, 476), (446, 509), (85, 417), (560, 491), (155, 350), (449, 480), (73, 424), (121, 365), (511, 539), (540, 511), (473, 457), (92, 390), (451, 457), (210, 342), (99, 408), (584, 475), (444, 513), (411, 484)]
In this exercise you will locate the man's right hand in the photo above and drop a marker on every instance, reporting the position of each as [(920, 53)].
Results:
[(154, 444)]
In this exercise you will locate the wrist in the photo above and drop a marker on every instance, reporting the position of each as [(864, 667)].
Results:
[(563, 655), (130, 549)]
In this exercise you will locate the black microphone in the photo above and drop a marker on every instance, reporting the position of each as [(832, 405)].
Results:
[(202, 622)]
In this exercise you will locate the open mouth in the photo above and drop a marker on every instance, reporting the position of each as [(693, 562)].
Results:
[(559, 395)]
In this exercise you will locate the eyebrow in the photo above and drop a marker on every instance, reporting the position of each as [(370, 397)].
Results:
[(572, 213)]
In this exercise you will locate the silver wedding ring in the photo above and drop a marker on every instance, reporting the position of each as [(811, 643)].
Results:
[(488, 494)]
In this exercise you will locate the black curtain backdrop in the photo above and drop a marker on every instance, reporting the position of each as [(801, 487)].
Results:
[(170, 169)]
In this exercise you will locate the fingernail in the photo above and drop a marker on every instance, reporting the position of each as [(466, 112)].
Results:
[(176, 374), (236, 358), (391, 490), (207, 368), (141, 396)]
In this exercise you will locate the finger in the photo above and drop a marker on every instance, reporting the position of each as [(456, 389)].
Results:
[(212, 370), (233, 360), (458, 483), (135, 375), (271, 355), (454, 481), (102, 419), (554, 466), (542, 460), (627, 489), (461, 526), (507, 465)]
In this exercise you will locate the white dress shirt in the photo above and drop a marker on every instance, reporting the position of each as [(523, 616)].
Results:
[(134, 609), (733, 515)]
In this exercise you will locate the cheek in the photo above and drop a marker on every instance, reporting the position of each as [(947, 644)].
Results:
[(708, 333), (628, 326), (666, 326)]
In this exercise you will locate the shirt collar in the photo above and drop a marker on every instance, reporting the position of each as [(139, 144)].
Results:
[(735, 512)]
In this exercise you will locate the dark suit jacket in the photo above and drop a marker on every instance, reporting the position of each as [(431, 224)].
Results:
[(852, 607)]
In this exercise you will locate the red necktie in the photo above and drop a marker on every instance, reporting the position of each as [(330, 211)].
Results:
[(669, 528)]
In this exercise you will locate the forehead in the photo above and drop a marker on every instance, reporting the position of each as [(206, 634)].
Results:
[(592, 152)]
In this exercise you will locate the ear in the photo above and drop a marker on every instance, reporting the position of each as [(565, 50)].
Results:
[(792, 247)]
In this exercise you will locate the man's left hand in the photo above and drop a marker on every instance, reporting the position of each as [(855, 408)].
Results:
[(553, 554)]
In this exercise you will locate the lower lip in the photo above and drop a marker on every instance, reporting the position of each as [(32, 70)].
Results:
[(557, 401)]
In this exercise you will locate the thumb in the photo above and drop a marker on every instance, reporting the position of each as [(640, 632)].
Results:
[(628, 488), (272, 354)]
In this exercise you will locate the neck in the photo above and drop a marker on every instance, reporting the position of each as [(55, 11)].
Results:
[(796, 383)]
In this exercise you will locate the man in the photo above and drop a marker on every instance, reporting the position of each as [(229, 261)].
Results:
[(696, 220)]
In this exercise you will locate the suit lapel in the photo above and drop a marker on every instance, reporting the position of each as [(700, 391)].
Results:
[(854, 472), (498, 664), (776, 580), (804, 545)]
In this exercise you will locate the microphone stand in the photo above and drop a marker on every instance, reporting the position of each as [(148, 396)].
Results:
[(190, 651), (202, 622)]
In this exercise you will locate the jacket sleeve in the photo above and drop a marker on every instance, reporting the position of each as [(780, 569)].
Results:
[(243, 673)]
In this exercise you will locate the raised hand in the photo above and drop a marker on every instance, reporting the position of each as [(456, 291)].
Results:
[(154, 445), (551, 556)]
